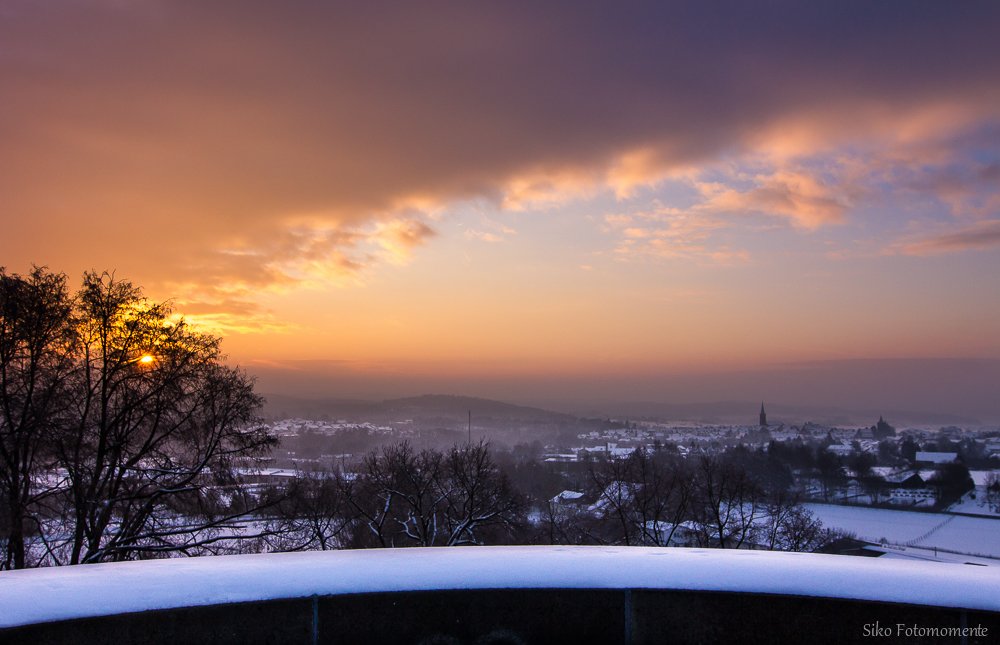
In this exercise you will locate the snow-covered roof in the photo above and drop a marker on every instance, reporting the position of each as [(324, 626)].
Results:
[(937, 457), (60, 593), (565, 496), (899, 476)]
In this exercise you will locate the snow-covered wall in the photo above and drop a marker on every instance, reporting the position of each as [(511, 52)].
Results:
[(60, 593)]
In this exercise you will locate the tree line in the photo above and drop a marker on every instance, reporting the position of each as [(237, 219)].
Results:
[(396, 496), (727, 500)]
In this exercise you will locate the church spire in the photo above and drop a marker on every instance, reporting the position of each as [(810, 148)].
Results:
[(763, 415)]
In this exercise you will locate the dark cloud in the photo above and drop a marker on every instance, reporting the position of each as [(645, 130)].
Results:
[(162, 133), (981, 235)]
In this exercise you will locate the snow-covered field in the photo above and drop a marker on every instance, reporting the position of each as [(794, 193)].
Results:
[(970, 535)]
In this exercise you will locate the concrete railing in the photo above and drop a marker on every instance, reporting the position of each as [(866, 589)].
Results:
[(504, 594)]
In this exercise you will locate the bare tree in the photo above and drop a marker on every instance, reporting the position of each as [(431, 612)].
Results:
[(800, 531), (431, 498), (874, 486), (786, 525), (662, 497), (614, 494), (401, 494), (155, 417), (861, 464), (311, 513), (562, 525), (480, 497), (371, 504), (830, 471), (729, 503), (36, 343), (643, 498), (993, 491)]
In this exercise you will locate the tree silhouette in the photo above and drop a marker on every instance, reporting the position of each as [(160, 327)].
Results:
[(432, 498), (124, 421), (36, 341)]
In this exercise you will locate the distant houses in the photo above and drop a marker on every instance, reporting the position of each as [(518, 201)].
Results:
[(839, 449), (912, 497), (908, 488), (905, 479), (572, 499), (934, 458)]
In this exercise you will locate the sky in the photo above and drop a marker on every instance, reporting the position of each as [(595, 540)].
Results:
[(529, 200)]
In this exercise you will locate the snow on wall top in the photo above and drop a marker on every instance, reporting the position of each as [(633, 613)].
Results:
[(60, 593)]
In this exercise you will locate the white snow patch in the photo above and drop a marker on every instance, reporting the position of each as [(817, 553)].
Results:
[(970, 535)]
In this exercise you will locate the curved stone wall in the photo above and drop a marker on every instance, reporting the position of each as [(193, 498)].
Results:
[(522, 616), (494, 595)]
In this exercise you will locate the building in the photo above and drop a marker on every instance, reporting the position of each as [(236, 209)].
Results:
[(912, 497), (763, 416), (935, 458), (883, 429), (572, 499), (840, 449)]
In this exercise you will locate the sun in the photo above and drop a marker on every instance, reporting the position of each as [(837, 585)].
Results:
[(146, 359)]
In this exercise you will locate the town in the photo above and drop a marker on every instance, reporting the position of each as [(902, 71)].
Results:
[(871, 490), (875, 465)]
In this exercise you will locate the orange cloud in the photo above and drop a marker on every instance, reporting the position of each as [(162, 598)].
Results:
[(219, 290), (673, 234), (400, 236), (802, 199), (500, 231)]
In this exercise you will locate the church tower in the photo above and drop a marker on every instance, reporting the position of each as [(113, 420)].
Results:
[(763, 416)]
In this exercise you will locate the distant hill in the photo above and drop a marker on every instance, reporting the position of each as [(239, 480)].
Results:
[(745, 413), (430, 406), (450, 410)]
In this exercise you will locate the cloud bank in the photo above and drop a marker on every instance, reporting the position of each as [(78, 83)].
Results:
[(232, 147)]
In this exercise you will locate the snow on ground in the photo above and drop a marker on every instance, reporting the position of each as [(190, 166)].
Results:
[(969, 535), (874, 524), (893, 552), (981, 477), (979, 505), (976, 502), (60, 593)]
